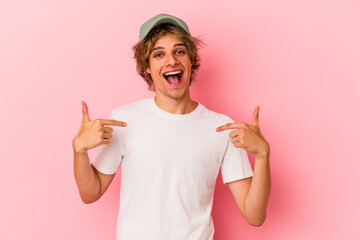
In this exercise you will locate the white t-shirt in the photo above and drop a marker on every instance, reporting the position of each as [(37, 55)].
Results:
[(170, 163)]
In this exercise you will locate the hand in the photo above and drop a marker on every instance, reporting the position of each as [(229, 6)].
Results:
[(93, 133), (248, 136)]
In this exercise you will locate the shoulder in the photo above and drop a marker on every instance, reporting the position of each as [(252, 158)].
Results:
[(132, 108), (211, 115)]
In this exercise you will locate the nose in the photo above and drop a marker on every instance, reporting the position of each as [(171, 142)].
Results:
[(171, 60)]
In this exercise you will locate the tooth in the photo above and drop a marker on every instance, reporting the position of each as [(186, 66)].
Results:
[(172, 73)]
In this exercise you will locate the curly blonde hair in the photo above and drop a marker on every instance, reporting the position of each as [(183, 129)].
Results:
[(142, 49)]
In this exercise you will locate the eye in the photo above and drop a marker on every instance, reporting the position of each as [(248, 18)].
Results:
[(180, 52), (157, 55)]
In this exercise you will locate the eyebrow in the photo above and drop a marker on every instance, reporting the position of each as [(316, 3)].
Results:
[(175, 45)]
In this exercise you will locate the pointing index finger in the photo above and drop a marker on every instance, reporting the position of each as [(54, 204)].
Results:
[(112, 122), (226, 127)]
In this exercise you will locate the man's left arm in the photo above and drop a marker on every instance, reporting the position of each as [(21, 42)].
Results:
[(251, 194)]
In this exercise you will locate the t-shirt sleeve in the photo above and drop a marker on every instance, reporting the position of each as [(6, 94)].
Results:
[(235, 165), (108, 157)]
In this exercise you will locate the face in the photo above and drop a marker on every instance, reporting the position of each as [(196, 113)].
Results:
[(170, 68)]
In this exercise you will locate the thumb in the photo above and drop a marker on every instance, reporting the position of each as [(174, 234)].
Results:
[(85, 112), (255, 120)]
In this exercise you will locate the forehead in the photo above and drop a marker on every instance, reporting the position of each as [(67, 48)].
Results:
[(167, 40)]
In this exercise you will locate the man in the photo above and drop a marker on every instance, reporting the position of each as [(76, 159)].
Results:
[(171, 148)]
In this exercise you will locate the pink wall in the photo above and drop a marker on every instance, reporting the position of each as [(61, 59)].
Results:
[(298, 60)]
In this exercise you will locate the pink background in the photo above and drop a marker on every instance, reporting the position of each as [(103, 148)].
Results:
[(298, 60)]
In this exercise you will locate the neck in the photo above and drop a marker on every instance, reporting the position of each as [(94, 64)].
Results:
[(176, 106)]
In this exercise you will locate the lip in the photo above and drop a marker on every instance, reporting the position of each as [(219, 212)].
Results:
[(174, 70)]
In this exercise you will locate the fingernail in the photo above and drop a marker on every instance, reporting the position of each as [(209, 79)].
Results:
[(124, 124)]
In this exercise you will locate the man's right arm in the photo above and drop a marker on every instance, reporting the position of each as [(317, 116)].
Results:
[(91, 183)]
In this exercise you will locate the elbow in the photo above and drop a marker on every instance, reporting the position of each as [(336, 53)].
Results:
[(88, 200), (256, 222)]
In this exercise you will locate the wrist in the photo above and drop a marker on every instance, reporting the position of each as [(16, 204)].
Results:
[(263, 154), (263, 151), (78, 149)]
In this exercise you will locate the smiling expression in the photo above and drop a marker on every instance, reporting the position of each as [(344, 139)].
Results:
[(170, 68)]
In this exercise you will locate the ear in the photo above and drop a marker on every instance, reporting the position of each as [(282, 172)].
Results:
[(147, 71), (152, 88)]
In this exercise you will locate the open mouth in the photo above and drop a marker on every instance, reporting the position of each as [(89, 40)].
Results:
[(173, 78)]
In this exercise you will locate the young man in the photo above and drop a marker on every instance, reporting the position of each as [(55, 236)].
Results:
[(171, 148)]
